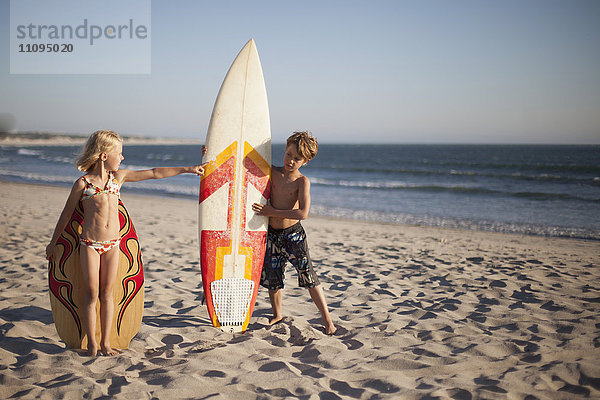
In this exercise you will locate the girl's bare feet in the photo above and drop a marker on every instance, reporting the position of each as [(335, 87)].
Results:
[(92, 350), (330, 329), (109, 351)]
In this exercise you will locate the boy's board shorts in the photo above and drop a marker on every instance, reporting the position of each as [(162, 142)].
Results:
[(285, 245)]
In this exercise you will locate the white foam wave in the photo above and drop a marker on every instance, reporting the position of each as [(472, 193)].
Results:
[(361, 184), (457, 223), (29, 152), (135, 167), (163, 157), (37, 177), (191, 190)]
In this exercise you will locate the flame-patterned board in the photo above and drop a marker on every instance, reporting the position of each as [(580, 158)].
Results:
[(232, 237), (66, 286)]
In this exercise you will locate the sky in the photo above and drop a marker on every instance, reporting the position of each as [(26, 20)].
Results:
[(423, 71)]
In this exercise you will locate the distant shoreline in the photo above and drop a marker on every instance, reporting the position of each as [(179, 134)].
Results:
[(42, 138), (62, 139)]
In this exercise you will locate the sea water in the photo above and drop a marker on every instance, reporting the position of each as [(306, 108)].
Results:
[(531, 189)]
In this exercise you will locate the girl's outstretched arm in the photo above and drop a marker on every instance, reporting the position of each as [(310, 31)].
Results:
[(127, 175), (65, 216)]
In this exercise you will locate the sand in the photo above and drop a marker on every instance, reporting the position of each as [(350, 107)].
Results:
[(422, 313)]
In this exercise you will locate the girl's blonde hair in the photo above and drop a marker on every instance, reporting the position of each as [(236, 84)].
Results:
[(102, 141)]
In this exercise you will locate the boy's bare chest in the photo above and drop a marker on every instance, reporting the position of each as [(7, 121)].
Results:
[(284, 192)]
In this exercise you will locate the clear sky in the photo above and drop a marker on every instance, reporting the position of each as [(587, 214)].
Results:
[(513, 71)]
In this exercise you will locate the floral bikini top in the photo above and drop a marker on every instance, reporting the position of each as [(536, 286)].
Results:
[(90, 190)]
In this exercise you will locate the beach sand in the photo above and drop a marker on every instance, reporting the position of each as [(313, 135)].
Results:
[(422, 313)]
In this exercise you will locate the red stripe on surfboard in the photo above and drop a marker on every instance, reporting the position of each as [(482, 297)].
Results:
[(257, 177), (223, 174)]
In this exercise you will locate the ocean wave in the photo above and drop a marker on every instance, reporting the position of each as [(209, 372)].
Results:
[(135, 167), (164, 157), (36, 177), (546, 167), (58, 159), (43, 156), (502, 175), (470, 190), (183, 186), (456, 223), (28, 152), (164, 187)]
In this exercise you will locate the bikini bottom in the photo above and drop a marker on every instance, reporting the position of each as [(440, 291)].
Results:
[(100, 246)]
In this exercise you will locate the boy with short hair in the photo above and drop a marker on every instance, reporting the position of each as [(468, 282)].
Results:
[(286, 239)]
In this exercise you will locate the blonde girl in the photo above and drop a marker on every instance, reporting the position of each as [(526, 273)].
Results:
[(98, 191)]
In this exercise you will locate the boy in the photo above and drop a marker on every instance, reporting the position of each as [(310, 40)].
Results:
[(286, 239)]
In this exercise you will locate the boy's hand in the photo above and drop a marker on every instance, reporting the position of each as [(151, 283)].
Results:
[(262, 209)]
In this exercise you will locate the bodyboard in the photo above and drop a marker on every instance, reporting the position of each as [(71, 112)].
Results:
[(66, 286)]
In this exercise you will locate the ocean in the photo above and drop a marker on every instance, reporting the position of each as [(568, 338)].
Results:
[(548, 190)]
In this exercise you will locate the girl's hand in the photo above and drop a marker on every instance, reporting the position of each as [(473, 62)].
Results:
[(198, 169), (50, 251)]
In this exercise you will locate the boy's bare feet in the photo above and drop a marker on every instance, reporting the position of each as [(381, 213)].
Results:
[(275, 320), (330, 329), (275, 297), (316, 293)]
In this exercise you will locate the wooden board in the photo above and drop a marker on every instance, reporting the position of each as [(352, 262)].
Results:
[(232, 237), (66, 289)]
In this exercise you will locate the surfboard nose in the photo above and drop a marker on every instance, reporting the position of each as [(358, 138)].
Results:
[(249, 49)]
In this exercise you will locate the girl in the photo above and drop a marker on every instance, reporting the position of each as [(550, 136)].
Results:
[(98, 191)]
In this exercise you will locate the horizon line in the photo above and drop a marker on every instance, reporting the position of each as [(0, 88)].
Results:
[(43, 135)]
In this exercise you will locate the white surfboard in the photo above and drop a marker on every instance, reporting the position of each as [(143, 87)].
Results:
[(232, 237)]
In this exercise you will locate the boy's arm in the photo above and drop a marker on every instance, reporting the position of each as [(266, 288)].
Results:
[(127, 175), (299, 213), (65, 215)]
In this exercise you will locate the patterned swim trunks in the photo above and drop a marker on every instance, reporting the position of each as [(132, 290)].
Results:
[(285, 245)]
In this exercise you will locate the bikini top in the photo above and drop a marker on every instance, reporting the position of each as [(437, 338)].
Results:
[(90, 190)]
